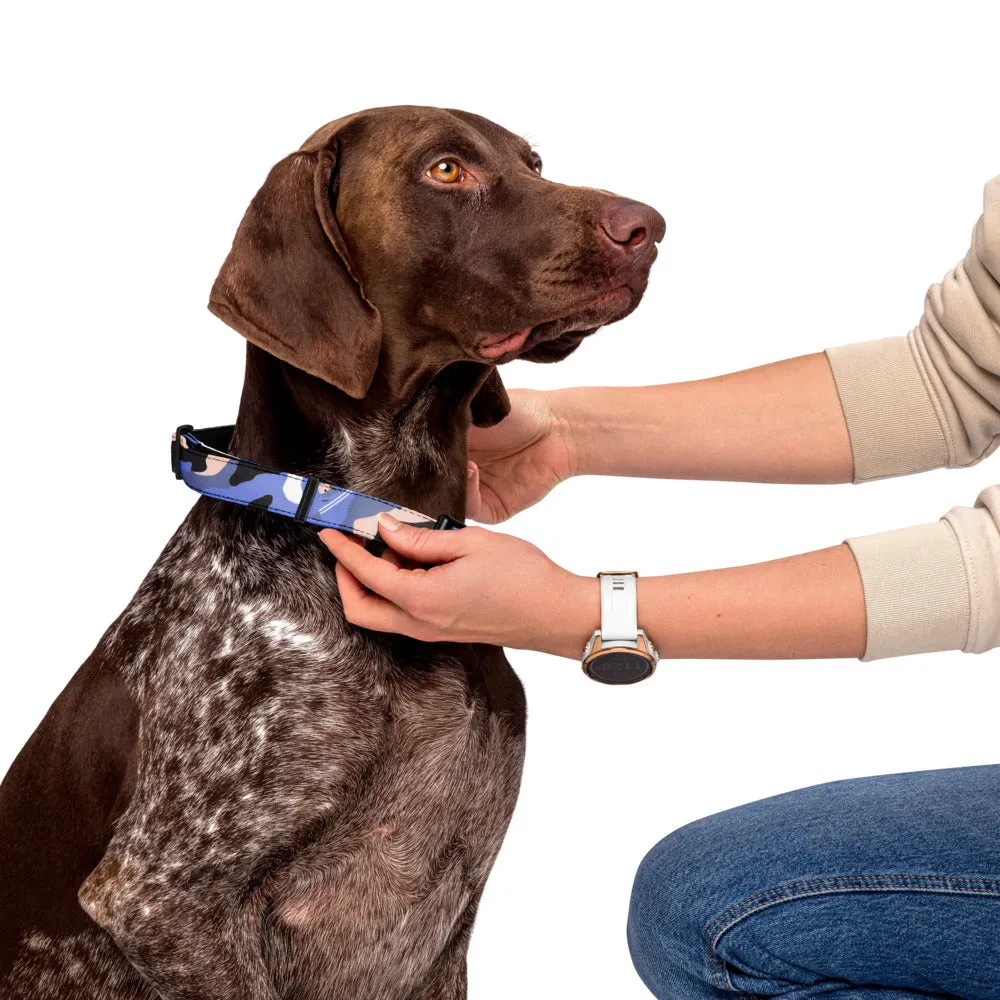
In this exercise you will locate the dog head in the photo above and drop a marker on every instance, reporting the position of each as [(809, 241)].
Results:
[(401, 240)]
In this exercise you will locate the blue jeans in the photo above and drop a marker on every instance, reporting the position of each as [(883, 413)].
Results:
[(881, 888)]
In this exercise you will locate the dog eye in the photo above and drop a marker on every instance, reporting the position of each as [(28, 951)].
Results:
[(536, 163), (446, 171)]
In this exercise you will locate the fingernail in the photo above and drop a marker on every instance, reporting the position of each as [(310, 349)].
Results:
[(388, 522), (470, 470)]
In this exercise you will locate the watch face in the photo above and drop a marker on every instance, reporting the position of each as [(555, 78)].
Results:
[(619, 666)]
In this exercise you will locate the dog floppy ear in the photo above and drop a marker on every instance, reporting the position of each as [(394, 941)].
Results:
[(287, 284), (491, 403)]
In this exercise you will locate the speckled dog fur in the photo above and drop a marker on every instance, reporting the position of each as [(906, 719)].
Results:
[(241, 796)]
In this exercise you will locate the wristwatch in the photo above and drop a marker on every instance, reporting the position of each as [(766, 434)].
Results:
[(619, 652)]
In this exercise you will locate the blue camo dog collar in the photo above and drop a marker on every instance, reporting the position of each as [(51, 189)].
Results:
[(202, 460)]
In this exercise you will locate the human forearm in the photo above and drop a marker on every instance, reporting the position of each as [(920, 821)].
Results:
[(805, 606), (780, 423), (808, 605), (919, 589)]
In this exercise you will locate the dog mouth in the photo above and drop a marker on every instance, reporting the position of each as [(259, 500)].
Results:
[(571, 327), (498, 345)]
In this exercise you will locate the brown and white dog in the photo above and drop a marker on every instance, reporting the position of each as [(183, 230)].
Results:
[(240, 795)]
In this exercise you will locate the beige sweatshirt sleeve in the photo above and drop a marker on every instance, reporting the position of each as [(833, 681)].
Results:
[(931, 399)]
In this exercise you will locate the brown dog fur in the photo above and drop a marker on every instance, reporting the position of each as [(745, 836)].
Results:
[(240, 795)]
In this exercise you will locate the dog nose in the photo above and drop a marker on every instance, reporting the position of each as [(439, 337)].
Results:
[(631, 225)]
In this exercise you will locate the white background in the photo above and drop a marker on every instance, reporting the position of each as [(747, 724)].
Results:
[(819, 165)]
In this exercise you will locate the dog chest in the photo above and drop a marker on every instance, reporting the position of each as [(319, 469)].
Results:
[(376, 900), (357, 787)]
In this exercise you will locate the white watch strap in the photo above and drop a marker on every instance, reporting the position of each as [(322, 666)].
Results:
[(619, 611)]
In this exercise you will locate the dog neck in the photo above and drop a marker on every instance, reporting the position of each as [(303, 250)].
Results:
[(413, 452)]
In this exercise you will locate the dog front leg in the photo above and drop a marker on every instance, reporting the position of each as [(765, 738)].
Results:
[(189, 942), (448, 978)]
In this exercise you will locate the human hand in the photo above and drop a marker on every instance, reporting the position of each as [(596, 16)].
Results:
[(515, 463), (486, 587)]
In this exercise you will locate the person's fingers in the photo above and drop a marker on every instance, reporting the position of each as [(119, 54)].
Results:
[(353, 594), (376, 574), (473, 501), (341, 536), (491, 510), (424, 545), (396, 559), (371, 611)]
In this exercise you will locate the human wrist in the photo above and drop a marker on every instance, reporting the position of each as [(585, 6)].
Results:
[(614, 430), (570, 612), (572, 424), (573, 612)]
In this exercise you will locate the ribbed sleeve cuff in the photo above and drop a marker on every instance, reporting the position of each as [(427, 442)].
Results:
[(978, 532), (916, 590), (893, 427)]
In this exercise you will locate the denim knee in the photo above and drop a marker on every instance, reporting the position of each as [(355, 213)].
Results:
[(645, 928), (671, 905)]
